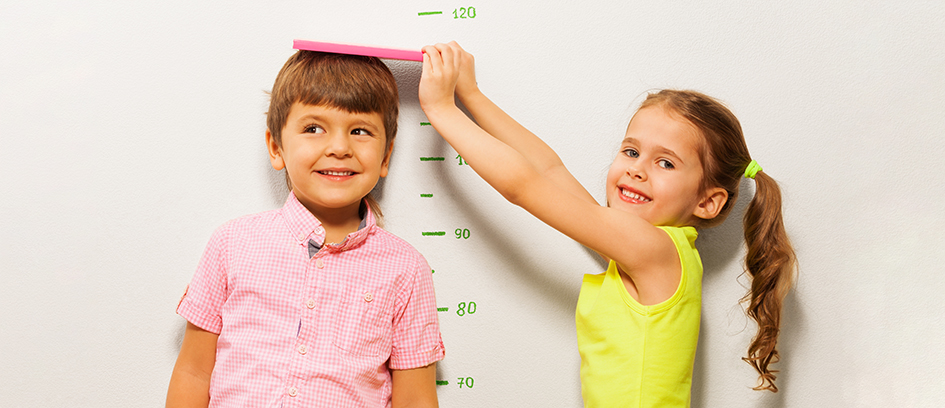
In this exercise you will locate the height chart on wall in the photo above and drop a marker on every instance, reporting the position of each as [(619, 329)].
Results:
[(476, 245)]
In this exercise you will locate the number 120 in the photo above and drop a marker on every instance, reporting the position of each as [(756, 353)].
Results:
[(464, 12)]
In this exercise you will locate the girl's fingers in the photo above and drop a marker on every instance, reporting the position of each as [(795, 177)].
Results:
[(446, 53), (436, 60), (427, 65)]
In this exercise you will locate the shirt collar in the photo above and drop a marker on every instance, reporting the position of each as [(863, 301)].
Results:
[(303, 226)]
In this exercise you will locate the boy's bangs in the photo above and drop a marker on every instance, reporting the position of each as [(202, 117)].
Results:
[(354, 86)]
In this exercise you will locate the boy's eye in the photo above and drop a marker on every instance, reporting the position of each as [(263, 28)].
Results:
[(314, 129), (361, 132), (630, 152), (666, 164)]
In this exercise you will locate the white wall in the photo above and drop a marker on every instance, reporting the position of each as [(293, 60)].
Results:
[(129, 132)]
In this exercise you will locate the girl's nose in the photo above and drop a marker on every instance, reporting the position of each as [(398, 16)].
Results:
[(637, 172)]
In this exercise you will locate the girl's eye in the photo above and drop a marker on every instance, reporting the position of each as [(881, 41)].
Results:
[(631, 153), (361, 132), (666, 164), (314, 129)]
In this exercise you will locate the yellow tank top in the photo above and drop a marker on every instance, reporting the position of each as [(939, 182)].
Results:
[(634, 355)]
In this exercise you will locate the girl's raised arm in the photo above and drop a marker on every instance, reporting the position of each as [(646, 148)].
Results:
[(643, 251), (500, 125)]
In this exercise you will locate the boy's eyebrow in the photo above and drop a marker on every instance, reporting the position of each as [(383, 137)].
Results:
[(659, 149), (313, 116)]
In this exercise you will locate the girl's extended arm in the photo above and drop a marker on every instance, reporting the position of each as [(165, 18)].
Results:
[(643, 251), (190, 381), (500, 125)]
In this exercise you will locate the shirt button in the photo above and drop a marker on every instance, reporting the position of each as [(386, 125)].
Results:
[(318, 230), (320, 263), (302, 236), (293, 391), (368, 297), (302, 349), (310, 304)]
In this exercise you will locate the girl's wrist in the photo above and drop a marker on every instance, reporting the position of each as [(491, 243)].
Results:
[(470, 96), (438, 110)]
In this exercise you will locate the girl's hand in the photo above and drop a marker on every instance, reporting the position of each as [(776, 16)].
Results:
[(440, 74), (466, 84)]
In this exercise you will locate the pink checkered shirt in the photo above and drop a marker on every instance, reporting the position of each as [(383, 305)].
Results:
[(311, 332)]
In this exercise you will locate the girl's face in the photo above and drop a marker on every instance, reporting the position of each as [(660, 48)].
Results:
[(658, 174), (333, 157)]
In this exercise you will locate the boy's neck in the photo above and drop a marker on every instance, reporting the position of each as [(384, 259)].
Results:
[(338, 222)]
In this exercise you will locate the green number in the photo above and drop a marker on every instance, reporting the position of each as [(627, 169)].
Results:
[(461, 161), (463, 308), (462, 233), (467, 381), (464, 12)]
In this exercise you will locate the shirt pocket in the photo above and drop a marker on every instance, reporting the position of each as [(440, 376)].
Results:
[(362, 322)]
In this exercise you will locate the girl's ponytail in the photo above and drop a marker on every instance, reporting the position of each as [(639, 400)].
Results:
[(770, 262)]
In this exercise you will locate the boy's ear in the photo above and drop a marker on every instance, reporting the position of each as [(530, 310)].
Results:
[(275, 152), (711, 204), (386, 163)]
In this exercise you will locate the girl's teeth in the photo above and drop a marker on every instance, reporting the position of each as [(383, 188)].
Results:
[(634, 196)]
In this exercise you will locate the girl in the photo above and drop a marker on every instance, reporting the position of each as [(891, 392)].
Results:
[(678, 168)]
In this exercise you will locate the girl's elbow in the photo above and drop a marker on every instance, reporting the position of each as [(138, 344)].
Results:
[(515, 191)]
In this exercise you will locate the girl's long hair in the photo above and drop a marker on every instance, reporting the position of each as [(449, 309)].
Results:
[(770, 260)]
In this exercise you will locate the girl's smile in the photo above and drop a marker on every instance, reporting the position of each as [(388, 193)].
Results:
[(657, 174), (633, 196)]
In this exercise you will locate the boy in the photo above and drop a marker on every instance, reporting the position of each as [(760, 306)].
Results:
[(314, 304)]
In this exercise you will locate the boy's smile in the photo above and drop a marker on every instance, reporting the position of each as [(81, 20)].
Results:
[(333, 158)]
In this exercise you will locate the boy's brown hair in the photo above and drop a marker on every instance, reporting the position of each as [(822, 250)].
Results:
[(353, 83)]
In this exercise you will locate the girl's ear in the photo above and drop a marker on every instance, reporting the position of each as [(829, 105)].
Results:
[(275, 152), (711, 204)]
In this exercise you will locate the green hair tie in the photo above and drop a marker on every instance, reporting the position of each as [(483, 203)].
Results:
[(752, 169)]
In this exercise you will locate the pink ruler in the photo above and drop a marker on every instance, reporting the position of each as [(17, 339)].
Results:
[(370, 51)]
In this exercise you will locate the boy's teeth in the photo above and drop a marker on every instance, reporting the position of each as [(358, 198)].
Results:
[(337, 173)]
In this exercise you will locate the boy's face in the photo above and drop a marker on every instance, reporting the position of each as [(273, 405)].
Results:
[(333, 157)]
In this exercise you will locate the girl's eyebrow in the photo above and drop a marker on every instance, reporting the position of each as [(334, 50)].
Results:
[(659, 149)]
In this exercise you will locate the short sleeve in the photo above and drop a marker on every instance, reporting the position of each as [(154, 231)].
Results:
[(203, 300), (416, 332)]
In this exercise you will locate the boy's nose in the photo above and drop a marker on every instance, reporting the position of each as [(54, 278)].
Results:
[(339, 145)]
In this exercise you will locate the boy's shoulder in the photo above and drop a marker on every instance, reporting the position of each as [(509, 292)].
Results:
[(255, 220), (246, 226), (389, 240)]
